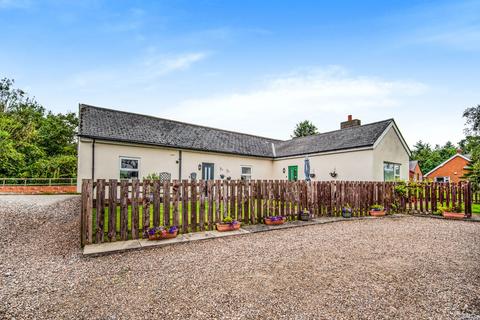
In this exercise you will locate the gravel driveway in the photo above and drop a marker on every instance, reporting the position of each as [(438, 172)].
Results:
[(409, 268)]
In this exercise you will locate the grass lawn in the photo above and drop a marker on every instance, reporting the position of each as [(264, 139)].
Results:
[(180, 217), (476, 208)]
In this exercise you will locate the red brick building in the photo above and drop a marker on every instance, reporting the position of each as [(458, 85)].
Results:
[(451, 170), (415, 173)]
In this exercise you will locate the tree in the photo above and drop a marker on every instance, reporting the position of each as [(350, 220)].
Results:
[(428, 157), (471, 144), (304, 128), (34, 143), (473, 120)]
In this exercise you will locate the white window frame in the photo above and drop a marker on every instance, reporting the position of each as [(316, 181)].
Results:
[(126, 169), (395, 167), (246, 176), (445, 179)]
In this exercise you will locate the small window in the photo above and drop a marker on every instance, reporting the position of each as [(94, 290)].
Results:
[(442, 179), (129, 168), (246, 173), (391, 171)]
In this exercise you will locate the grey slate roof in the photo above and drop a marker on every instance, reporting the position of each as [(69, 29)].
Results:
[(412, 164), (348, 138), (113, 125), (116, 125)]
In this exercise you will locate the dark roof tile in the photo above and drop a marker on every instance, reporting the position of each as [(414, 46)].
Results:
[(348, 138), (116, 125)]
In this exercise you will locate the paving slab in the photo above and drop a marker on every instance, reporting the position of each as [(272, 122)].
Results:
[(95, 249), (474, 218), (110, 247)]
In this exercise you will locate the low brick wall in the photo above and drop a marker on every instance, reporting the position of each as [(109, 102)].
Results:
[(38, 189)]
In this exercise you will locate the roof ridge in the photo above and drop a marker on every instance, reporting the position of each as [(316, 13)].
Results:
[(336, 130), (180, 122)]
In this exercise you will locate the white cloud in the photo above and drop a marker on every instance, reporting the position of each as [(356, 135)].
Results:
[(166, 64), (320, 95), (143, 72)]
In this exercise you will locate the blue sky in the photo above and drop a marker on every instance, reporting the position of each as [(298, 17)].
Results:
[(252, 66)]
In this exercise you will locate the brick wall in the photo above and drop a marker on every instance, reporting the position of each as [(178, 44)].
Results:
[(416, 175), (453, 169), (37, 189)]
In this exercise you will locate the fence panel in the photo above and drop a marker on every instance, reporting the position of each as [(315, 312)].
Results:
[(198, 205)]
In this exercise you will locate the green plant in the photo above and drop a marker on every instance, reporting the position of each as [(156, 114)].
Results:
[(227, 220), (454, 208), (152, 176), (376, 207), (394, 207), (401, 189)]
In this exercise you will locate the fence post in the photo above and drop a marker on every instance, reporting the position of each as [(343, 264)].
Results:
[(468, 199), (86, 212)]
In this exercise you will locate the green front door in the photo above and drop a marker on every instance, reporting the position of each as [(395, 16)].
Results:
[(292, 173)]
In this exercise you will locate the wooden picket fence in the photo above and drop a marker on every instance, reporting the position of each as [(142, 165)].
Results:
[(198, 205), (476, 197)]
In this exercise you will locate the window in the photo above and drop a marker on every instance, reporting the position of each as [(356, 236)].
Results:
[(129, 168), (391, 171), (442, 179), (246, 173)]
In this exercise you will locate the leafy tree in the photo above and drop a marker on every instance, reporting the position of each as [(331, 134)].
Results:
[(473, 120), (304, 128), (428, 157), (471, 144), (34, 143)]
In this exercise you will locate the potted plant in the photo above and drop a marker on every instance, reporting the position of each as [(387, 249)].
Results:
[(228, 224), (377, 210), (347, 211), (304, 215), (452, 212), (158, 233), (272, 220)]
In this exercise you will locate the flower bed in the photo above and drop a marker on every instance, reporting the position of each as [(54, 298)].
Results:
[(275, 220), (228, 224), (159, 233)]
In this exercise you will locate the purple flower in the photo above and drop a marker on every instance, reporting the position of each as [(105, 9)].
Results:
[(172, 229), (275, 218)]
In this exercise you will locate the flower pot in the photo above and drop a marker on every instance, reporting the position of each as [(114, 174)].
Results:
[(304, 216), (163, 235), (271, 221), (377, 213), (222, 227), (347, 213), (453, 215)]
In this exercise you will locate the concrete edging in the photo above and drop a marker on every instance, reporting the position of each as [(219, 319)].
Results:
[(122, 246)]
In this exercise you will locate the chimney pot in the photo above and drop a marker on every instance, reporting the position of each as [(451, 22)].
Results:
[(350, 122)]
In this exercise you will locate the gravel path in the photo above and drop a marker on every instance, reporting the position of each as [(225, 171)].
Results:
[(406, 268)]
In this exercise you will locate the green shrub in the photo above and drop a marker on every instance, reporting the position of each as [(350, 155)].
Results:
[(227, 220), (377, 207)]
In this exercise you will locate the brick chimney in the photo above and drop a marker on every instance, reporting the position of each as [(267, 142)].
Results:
[(350, 123)]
